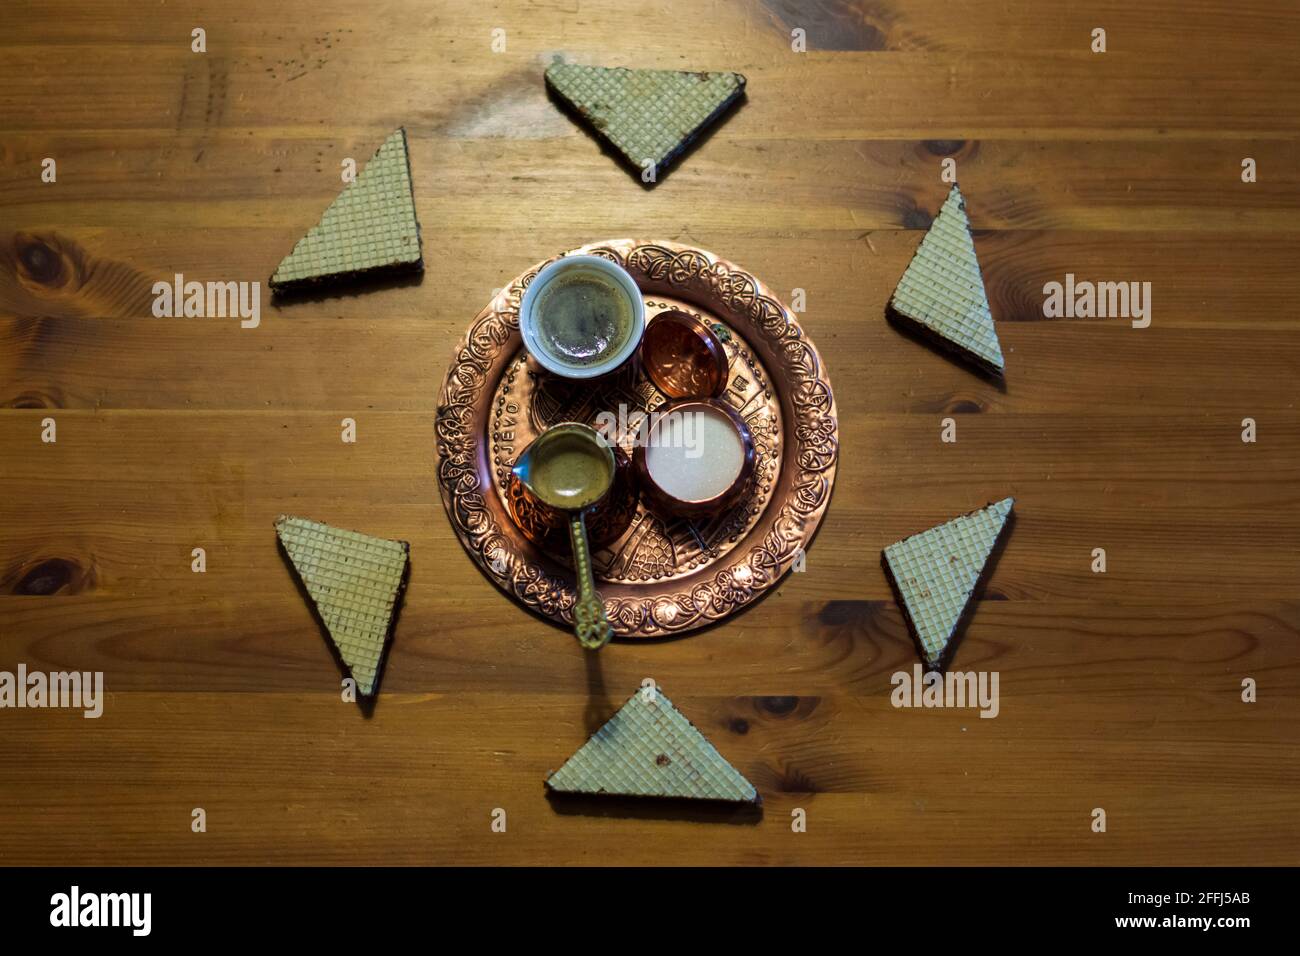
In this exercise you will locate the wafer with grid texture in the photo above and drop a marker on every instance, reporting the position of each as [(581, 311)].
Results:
[(935, 573), (648, 116), (649, 749), (943, 290), (356, 582), (370, 227)]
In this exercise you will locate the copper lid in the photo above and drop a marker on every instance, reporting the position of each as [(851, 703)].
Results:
[(683, 356)]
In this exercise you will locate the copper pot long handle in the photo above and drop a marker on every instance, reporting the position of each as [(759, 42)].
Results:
[(589, 621)]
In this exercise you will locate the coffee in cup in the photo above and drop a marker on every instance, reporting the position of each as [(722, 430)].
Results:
[(582, 317)]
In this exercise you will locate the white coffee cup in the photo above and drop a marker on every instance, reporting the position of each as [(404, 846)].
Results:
[(617, 277)]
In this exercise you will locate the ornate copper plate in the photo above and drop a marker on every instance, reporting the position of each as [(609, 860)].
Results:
[(659, 576)]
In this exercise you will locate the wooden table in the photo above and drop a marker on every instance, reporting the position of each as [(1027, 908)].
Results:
[(1119, 690)]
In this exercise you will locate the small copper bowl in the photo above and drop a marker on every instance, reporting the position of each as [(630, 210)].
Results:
[(669, 503), (683, 356)]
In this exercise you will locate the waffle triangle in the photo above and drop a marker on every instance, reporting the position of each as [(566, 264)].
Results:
[(648, 749), (648, 116), (370, 227), (935, 572), (356, 582), (943, 292)]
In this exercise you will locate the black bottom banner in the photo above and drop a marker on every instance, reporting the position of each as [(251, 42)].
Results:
[(350, 905)]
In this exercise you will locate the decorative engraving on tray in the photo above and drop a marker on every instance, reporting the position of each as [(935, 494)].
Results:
[(659, 576)]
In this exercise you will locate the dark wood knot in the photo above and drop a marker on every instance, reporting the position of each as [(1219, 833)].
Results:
[(944, 147), (51, 576), (40, 262), (915, 217), (777, 706), (964, 406), (34, 398)]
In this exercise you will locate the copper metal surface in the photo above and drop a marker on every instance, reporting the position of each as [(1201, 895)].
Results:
[(662, 575), (684, 357), (548, 527)]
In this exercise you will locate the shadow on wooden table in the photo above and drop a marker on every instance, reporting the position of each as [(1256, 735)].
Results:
[(599, 707), (654, 808), (348, 286), (935, 343)]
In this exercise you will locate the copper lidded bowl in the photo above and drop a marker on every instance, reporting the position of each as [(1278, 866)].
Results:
[(683, 356), (661, 494)]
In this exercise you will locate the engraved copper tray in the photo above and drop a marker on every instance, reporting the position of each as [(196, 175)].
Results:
[(659, 576)]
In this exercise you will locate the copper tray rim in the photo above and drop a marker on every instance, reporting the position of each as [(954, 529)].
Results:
[(709, 594)]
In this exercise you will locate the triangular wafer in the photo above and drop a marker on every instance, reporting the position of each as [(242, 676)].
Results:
[(369, 228), (356, 582), (942, 290), (648, 749), (935, 572), (648, 116)]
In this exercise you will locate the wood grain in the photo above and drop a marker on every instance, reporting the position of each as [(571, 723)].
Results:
[(1120, 690)]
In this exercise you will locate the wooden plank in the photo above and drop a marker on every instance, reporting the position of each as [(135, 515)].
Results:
[(109, 273), (795, 642), (260, 179), (1053, 367), (961, 94), (1010, 184), (1202, 26)]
